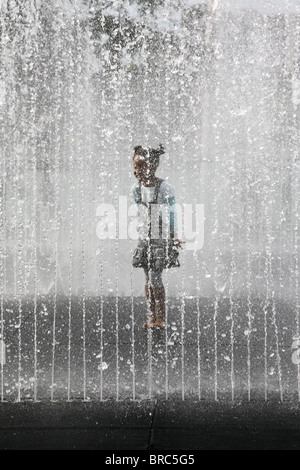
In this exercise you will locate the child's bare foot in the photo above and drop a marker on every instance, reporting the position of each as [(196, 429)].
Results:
[(149, 323), (158, 323)]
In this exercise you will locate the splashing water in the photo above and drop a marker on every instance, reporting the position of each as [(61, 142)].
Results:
[(81, 83)]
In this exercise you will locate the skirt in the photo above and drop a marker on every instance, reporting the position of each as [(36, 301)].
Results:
[(156, 254)]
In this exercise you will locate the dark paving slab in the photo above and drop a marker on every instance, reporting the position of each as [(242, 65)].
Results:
[(191, 425), (67, 426), (161, 425)]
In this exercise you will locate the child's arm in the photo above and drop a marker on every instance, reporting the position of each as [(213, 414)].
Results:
[(170, 200)]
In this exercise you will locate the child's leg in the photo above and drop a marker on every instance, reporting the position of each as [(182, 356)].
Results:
[(159, 296), (160, 303), (150, 300)]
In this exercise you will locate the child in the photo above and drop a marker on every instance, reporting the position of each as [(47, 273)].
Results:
[(154, 253)]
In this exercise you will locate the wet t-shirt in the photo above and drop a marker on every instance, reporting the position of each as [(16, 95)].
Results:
[(165, 205)]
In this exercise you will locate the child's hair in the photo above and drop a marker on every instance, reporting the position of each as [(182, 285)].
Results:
[(150, 153)]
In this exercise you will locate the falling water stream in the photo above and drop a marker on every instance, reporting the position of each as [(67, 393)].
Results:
[(81, 83)]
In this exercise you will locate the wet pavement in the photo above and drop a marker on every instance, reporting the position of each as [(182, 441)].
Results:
[(150, 425), (97, 380)]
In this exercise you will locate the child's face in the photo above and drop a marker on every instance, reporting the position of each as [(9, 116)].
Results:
[(142, 169)]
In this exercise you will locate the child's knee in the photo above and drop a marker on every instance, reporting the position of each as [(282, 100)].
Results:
[(156, 279)]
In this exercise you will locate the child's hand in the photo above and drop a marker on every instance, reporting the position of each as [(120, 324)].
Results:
[(178, 242)]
